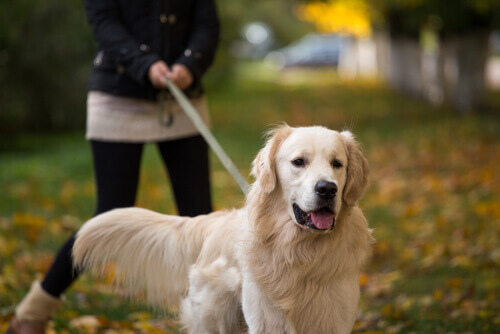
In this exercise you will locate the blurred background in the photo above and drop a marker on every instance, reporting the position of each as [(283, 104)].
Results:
[(417, 81)]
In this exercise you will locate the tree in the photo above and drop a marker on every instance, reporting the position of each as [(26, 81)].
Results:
[(46, 47), (463, 27), (435, 49)]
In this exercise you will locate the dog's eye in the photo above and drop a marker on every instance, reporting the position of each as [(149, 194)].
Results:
[(298, 162), (337, 164)]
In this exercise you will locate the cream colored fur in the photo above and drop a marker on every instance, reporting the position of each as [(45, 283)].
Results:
[(256, 269)]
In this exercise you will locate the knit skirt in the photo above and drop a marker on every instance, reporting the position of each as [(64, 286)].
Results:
[(122, 119)]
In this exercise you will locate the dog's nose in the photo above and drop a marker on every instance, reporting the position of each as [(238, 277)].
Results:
[(325, 189)]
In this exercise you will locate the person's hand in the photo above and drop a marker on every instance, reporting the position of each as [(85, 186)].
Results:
[(181, 76), (157, 73)]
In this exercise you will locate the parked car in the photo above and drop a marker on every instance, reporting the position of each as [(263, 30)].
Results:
[(311, 50)]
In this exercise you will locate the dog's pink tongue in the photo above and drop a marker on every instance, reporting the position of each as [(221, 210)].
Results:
[(322, 219)]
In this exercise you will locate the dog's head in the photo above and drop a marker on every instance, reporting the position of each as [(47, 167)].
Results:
[(316, 170)]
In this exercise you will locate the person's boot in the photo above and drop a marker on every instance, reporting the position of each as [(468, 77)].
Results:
[(34, 311)]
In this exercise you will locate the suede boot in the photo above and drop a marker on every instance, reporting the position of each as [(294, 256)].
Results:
[(34, 311)]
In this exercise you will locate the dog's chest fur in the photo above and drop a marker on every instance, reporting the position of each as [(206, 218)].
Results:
[(311, 279)]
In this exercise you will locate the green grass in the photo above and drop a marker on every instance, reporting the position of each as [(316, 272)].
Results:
[(433, 200)]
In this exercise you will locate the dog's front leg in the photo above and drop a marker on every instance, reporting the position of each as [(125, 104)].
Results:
[(261, 316)]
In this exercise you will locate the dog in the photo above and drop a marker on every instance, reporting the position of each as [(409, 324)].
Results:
[(287, 262)]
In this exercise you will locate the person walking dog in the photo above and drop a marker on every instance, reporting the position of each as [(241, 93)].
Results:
[(140, 42)]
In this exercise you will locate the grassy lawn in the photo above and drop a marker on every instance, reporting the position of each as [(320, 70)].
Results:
[(433, 202)]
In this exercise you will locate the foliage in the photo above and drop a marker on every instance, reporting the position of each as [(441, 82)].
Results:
[(350, 17), (407, 17), (433, 203), (402, 17), (44, 51)]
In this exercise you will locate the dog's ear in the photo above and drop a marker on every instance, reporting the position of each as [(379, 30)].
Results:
[(263, 166), (357, 170)]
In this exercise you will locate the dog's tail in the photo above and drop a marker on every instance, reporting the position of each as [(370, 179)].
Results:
[(149, 252)]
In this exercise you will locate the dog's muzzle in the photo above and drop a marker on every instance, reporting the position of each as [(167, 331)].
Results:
[(322, 219)]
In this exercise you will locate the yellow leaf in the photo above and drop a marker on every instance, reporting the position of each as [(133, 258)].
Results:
[(87, 323), (363, 279), (31, 224), (438, 295), (462, 261), (386, 310), (140, 316), (454, 282)]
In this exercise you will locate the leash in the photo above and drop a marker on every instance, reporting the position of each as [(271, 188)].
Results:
[(191, 112)]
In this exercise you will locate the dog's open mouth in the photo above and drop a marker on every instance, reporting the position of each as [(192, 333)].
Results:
[(322, 219)]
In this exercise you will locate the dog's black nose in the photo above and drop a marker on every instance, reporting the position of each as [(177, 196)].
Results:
[(325, 189)]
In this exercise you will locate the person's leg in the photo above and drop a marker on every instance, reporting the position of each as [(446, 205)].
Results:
[(116, 171), (116, 168), (187, 164)]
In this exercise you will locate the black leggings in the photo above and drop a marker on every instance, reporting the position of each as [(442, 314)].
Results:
[(116, 169)]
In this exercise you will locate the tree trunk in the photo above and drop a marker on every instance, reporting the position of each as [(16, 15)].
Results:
[(463, 63), (358, 60), (405, 65), (383, 50)]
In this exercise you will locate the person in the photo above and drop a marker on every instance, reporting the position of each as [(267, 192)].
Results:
[(139, 44)]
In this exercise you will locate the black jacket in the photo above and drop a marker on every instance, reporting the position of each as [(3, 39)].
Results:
[(133, 34)]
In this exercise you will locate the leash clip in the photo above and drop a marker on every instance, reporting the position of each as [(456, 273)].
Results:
[(165, 116)]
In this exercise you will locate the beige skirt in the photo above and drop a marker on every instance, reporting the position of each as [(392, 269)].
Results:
[(117, 118)]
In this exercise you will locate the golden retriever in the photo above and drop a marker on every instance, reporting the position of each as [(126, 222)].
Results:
[(287, 262)]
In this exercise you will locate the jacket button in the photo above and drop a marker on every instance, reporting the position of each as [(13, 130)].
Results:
[(98, 58), (144, 47), (172, 19), (188, 53), (163, 18), (120, 69)]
